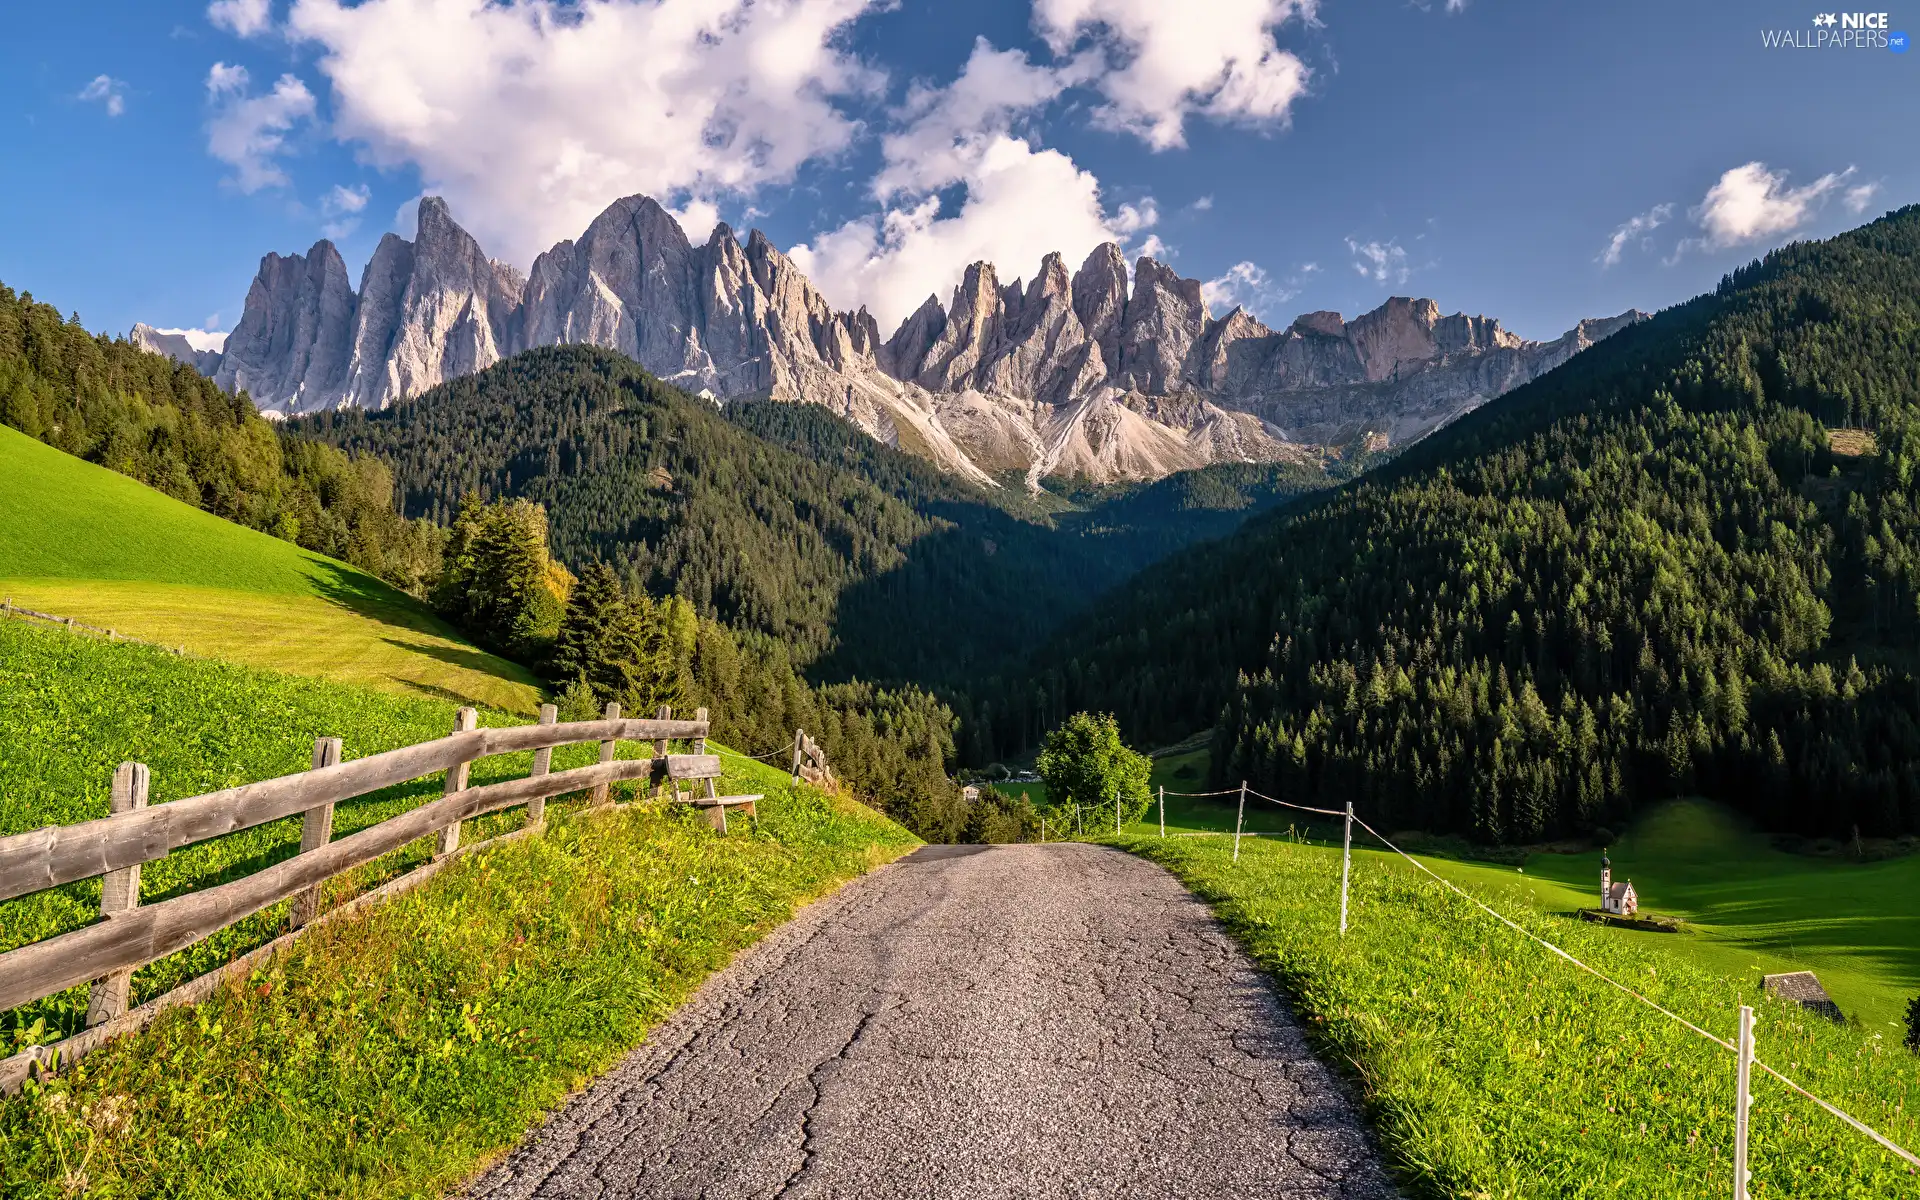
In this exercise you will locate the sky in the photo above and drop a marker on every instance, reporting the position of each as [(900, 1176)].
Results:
[(1537, 161)]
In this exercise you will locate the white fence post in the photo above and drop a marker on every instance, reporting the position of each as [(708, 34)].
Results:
[(1239, 818), (1116, 810), (1744, 1100), (1346, 867), (1163, 810)]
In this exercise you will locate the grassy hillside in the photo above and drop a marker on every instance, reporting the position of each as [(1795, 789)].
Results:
[(85, 542), (390, 1053), (1647, 574), (1492, 1068), (780, 519)]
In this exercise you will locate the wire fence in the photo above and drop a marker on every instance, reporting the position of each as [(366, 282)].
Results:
[(1743, 1049)]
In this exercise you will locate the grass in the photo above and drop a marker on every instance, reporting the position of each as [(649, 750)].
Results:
[(392, 1052), (1751, 909), (1492, 1069), (81, 541)]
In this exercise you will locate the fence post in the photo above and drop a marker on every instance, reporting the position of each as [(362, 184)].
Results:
[(799, 741), (542, 764), (1163, 810), (660, 748), (717, 813), (1742, 1103), (449, 839), (601, 791), (1116, 811), (119, 892), (1346, 867), (1239, 818), (316, 830), (1043, 829)]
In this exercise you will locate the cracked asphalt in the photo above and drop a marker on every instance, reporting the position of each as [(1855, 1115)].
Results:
[(1008, 1021)]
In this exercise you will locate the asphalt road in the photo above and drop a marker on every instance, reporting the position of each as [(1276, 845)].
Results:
[(1017, 1021)]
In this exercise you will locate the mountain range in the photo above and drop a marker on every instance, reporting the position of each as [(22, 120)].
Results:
[(1085, 374)]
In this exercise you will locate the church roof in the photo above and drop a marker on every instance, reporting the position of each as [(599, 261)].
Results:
[(1619, 890)]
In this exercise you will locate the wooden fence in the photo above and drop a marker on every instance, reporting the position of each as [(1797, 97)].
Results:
[(115, 847), (810, 761), (9, 609)]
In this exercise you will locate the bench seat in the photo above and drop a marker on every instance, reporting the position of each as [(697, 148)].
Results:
[(717, 807)]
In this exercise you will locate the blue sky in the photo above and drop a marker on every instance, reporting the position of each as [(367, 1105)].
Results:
[(1301, 155)]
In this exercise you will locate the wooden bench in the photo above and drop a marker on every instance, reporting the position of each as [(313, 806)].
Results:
[(701, 767)]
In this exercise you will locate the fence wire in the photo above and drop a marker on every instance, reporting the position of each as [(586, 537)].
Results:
[(1862, 1127)]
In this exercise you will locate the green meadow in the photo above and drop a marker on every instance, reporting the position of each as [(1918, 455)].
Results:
[(1492, 1068), (1750, 908), (84, 542), (390, 1053)]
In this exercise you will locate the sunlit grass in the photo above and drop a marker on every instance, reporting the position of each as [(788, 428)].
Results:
[(81, 541), (1492, 1068)]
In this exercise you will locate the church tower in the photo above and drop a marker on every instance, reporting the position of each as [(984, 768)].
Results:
[(1606, 880)]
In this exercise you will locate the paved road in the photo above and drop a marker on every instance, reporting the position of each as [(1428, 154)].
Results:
[(1017, 1021)]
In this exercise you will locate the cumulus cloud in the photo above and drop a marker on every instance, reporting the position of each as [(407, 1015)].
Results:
[(108, 91), (248, 132), (201, 339), (530, 116), (1242, 283), (1751, 203), (243, 17), (1633, 230), (1379, 261), (1009, 202), (341, 208), (1163, 62)]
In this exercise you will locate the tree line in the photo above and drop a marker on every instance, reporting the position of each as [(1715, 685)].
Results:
[(163, 423), (1652, 572)]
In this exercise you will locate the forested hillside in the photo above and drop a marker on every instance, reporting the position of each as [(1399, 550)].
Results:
[(166, 425), (777, 519), (1685, 562)]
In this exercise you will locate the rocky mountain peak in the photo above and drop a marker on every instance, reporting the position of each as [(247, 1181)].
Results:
[(1084, 374)]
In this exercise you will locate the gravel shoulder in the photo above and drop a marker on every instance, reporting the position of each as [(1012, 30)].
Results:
[(1009, 1021)]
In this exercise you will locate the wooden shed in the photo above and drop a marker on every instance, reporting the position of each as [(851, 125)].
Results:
[(1803, 988)]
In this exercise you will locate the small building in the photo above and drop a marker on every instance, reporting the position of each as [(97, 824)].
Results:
[(970, 793), (1803, 988), (1616, 898)]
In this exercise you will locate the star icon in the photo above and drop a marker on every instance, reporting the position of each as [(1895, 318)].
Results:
[(1825, 19)]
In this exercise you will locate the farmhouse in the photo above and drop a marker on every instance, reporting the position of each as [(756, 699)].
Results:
[(1616, 898)]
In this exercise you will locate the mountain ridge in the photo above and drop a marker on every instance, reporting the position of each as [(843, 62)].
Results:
[(1089, 374)]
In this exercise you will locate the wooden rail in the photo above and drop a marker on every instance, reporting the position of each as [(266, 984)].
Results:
[(9, 609), (116, 846)]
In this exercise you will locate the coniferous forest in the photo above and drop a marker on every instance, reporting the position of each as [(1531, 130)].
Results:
[(1683, 563)]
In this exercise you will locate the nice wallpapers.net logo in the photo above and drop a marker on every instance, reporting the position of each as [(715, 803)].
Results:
[(1839, 31)]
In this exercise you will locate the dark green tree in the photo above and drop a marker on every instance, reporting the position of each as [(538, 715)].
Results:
[(1084, 762), (600, 639)]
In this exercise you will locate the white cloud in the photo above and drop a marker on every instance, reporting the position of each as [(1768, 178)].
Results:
[(531, 116), (1017, 202), (1165, 62), (1203, 204), (247, 132), (243, 17), (201, 339), (1750, 203), (1635, 229), (1379, 261), (1858, 198), (109, 91), (341, 209), (1240, 286)]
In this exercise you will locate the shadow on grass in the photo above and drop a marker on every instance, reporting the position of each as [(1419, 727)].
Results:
[(458, 656)]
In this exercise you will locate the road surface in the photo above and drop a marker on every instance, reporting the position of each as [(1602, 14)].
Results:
[(1015, 1021)]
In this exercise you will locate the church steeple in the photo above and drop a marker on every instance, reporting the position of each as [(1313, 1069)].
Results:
[(1606, 880)]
